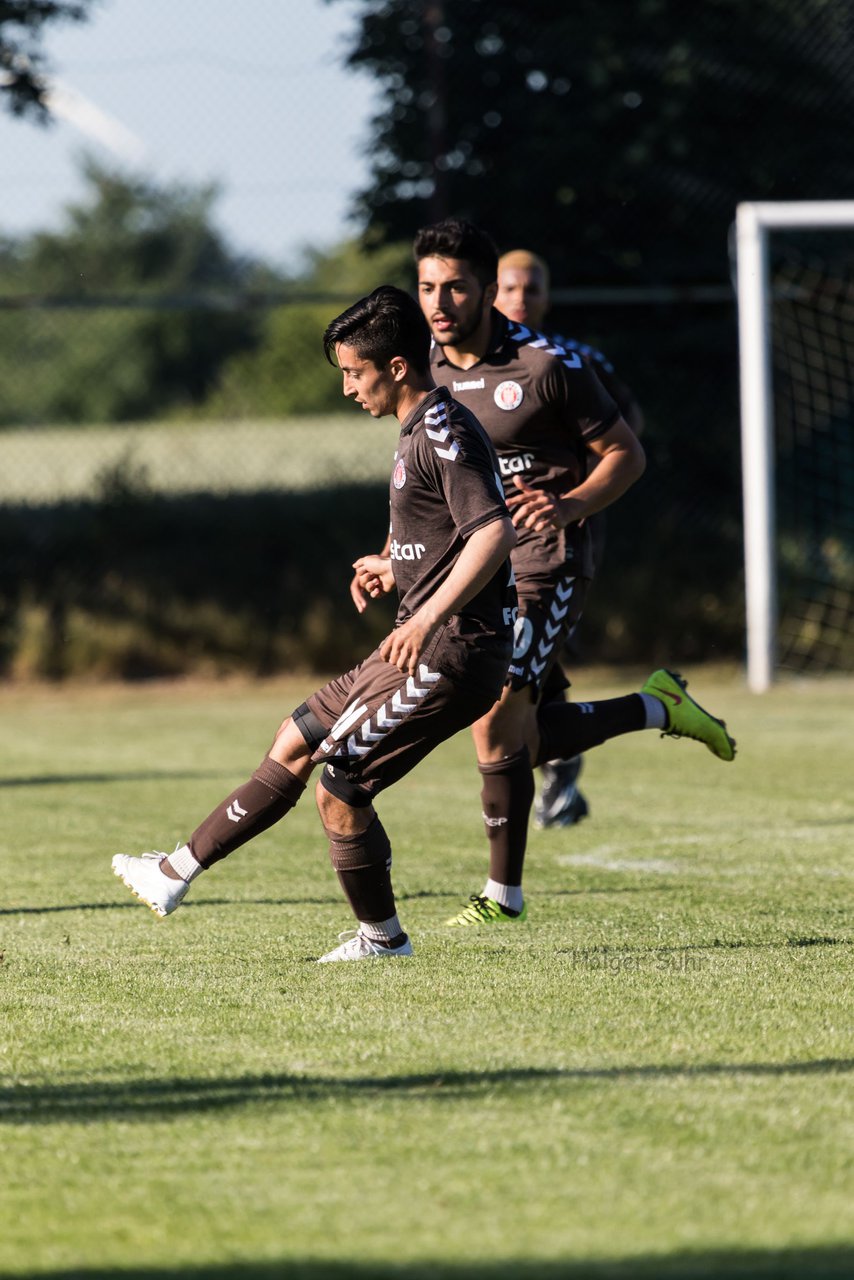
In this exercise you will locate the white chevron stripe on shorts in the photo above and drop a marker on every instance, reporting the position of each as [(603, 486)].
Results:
[(553, 625), (402, 703)]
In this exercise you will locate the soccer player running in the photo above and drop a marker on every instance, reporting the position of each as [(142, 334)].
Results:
[(441, 668), (524, 297), (545, 411)]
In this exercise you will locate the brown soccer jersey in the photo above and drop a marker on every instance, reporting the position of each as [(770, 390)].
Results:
[(444, 486), (375, 723), (540, 405)]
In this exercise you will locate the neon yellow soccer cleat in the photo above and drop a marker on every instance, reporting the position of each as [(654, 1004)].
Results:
[(482, 910), (685, 717)]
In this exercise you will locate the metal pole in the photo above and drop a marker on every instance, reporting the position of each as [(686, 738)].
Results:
[(756, 447)]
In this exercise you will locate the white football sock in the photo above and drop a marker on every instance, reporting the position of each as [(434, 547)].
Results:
[(656, 712), (382, 930), (184, 864), (508, 895)]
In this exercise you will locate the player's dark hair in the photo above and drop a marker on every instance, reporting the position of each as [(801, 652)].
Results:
[(457, 238), (387, 323)]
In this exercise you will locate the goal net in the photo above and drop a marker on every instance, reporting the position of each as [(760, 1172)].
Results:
[(796, 333)]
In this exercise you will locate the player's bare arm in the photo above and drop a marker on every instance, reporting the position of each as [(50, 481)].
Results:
[(620, 462), (485, 550)]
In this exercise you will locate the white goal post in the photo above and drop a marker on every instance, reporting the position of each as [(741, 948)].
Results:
[(754, 221)]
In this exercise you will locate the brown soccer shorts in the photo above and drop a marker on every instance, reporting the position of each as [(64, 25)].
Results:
[(372, 725)]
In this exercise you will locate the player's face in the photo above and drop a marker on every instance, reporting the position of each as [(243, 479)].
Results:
[(455, 303), (522, 295), (376, 390)]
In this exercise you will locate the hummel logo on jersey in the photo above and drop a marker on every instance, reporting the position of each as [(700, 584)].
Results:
[(473, 384), (517, 462), (235, 812), (406, 550)]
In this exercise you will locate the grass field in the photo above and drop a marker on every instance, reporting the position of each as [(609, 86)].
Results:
[(651, 1078), (52, 464)]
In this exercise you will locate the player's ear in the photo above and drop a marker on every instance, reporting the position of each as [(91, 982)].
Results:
[(398, 367), (490, 293)]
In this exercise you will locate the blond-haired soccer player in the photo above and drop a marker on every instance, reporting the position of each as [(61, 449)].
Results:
[(524, 296)]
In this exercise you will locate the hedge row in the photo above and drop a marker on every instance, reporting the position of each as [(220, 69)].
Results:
[(136, 585)]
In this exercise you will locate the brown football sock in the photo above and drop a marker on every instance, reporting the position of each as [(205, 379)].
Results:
[(507, 795), (256, 805), (363, 865)]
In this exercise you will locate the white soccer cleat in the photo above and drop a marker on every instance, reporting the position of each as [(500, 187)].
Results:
[(355, 946), (145, 879)]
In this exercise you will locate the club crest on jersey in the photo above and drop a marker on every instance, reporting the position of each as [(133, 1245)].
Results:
[(398, 477), (508, 395)]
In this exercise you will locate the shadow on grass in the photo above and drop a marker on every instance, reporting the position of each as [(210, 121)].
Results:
[(587, 957), (79, 779), (333, 899), (134, 904), (153, 1099), (817, 1263)]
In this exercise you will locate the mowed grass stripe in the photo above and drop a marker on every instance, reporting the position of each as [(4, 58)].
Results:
[(54, 464)]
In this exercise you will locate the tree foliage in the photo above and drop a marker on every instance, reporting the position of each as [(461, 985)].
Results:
[(126, 242), (22, 64), (286, 373), (616, 138)]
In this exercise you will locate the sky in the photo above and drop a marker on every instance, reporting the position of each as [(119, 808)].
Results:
[(250, 94)]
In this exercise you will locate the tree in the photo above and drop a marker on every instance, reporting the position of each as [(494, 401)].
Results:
[(22, 65), (615, 138), (154, 254), (286, 373)]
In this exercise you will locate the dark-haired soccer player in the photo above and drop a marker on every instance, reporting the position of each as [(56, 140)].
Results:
[(545, 412), (441, 668)]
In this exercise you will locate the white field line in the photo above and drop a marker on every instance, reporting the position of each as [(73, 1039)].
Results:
[(617, 856)]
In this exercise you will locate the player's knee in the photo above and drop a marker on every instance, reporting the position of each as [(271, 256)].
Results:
[(506, 729), (361, 849), (333, 812)]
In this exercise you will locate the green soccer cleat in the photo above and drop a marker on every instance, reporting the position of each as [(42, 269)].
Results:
[(482, 910), (685, 717)]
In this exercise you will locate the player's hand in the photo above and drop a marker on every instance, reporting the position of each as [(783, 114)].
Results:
[(406, 644), (357, 595), (535, 508), (373, 577)]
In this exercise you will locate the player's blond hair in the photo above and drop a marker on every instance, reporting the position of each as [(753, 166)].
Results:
[(526, 259)]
